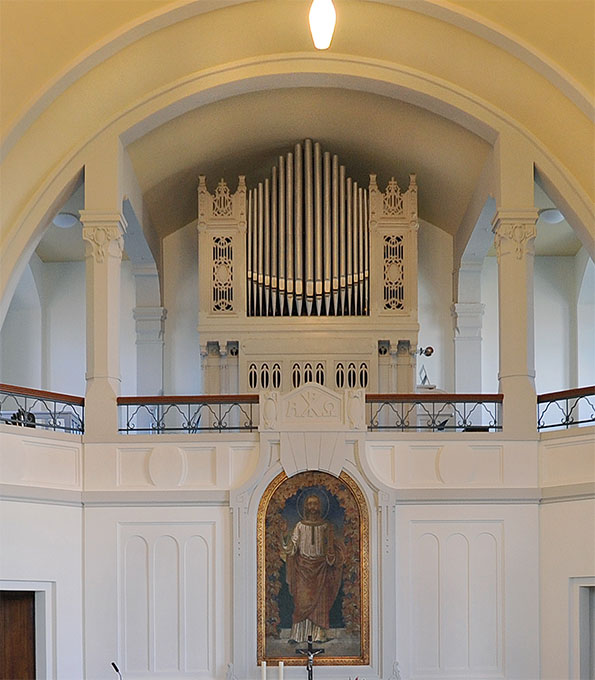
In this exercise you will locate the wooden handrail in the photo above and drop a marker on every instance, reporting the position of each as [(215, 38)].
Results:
[(191, 399), (437, 397), (42, 394), (566, 394)]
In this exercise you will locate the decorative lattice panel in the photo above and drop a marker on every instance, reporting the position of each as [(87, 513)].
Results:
[(222, 274), (394, 274)]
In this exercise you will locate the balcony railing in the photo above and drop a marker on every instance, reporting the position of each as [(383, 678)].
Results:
[(189, 415), (434, 412), (565, 409), (25, 407)]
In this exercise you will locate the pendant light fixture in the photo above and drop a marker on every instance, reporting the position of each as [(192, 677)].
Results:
[(322, 23)]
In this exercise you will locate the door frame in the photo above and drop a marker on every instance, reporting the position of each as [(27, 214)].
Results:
[(45, 607)]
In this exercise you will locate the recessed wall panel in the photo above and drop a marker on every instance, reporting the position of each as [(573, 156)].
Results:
[(166, 612), (136, 605), (197, 586)]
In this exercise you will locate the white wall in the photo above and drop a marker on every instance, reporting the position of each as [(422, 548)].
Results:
[(180, 291), (157, 597), (434, 303), (554, 319), (20, 337), (490, 326), (43, 343), (64, 330), (468, 596), (567, 552), (42, 542), (128, 371), (585, 313), (555, 325)]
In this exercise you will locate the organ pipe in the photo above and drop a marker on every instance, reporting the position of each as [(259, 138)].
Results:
[(308, 241)]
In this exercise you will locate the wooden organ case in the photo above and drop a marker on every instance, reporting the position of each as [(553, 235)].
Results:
[(307, 277)]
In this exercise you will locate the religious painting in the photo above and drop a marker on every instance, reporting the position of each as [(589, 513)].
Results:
[(313, 570)]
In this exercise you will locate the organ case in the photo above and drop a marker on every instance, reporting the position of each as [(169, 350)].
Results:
[(305, 253)]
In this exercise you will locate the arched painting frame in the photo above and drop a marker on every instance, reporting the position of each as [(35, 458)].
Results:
[(344, 509)]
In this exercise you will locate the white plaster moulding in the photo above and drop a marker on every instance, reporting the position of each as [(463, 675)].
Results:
[(183, 497), (568, 492), (190, 498), (484, 496), (587, 433), (29, 494), (181, 10), (34, 433), (43, 495)]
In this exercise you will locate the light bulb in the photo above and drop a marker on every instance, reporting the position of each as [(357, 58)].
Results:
[(322, 23)]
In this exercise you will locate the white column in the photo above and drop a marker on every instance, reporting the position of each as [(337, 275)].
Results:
[(467, 317), (514, 230), (514, 239), (103, 233)]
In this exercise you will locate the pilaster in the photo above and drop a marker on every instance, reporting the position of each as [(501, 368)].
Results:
[(515, 233), (150, 328), (103, 235), (405, 368), (467, 316)]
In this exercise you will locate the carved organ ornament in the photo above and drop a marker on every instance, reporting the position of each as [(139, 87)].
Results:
[(303, 250)]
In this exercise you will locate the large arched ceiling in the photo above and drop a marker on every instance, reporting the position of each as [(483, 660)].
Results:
[(370, 133), (188, 89), (42, 39)]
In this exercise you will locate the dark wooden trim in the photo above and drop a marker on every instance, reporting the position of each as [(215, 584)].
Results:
[(438, 397), (567, 394), (191, 399), (42, 394)]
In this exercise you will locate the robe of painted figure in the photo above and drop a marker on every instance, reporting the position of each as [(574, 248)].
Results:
[(314, 571)]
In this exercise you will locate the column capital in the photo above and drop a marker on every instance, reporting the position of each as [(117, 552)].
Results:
[(515, 232), (103, 233)]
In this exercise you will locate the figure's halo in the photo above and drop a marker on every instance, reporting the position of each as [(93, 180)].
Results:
[(313, 491)]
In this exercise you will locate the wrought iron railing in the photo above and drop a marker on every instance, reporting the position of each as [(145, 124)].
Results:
[(190, 414), (434, 412), (24, 407), (565, 409)]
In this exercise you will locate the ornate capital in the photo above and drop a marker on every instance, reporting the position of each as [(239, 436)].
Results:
[(515, 233), (103, 233)]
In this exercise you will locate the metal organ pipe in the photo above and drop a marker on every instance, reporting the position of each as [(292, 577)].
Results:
[(299, 231), (308, 242)]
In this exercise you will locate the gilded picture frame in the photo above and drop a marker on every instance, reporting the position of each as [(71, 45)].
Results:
[(313, 572)]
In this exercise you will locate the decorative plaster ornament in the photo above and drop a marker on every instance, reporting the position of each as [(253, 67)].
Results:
[(322, 19)]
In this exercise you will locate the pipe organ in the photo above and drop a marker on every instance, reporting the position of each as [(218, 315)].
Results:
[(308, 240), (309, 276)]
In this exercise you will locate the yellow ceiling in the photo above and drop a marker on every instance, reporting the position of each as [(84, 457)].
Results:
[(41, 39)]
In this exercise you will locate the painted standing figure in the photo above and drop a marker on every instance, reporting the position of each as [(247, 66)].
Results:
[(314, 561)]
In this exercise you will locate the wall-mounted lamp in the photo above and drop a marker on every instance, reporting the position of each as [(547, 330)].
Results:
[(423, 351), (322, 23), (65, 220), (550, 215)]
